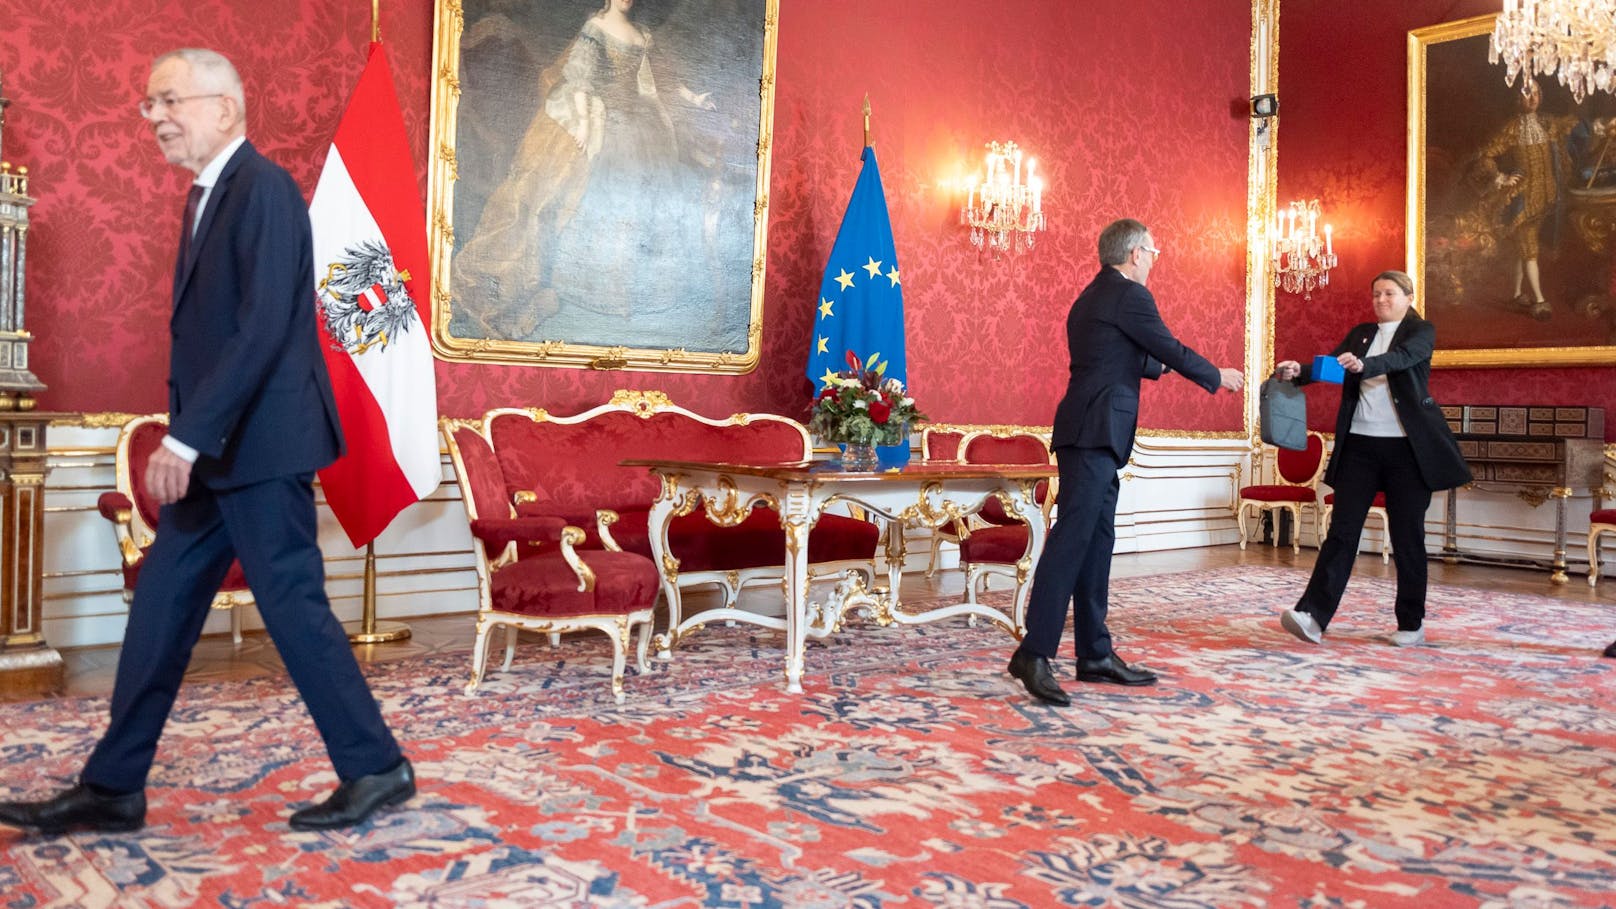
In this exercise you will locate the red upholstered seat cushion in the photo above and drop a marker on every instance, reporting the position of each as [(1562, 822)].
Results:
[(544, 585), (574, 468), (1279, 493), (234, 580), (1380, 500), (757, 542), (995, 544), (1603, 516)]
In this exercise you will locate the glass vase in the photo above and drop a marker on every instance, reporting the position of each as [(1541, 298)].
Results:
[(859, 456)]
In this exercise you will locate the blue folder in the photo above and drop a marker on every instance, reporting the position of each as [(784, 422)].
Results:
[(1327, 369)]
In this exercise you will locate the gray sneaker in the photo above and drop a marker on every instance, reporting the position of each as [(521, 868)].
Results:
[(1304, 626), (1409, 638)]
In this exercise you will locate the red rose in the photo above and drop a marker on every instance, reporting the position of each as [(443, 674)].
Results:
[(827, 393), (880, 411)]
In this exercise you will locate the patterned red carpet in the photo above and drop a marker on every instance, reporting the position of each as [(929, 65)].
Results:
[(1479, 771)]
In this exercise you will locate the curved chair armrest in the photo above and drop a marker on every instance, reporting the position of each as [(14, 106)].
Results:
[(571, 536), (497, 533), (524, 497), (116, 507), (962, 528), (604, 519)]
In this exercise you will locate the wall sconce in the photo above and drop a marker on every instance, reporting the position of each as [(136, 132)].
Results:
[(1301, 261), (1006, 208)]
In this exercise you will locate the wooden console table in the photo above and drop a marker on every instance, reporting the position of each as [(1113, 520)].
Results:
[(922, 494), (28, 665)]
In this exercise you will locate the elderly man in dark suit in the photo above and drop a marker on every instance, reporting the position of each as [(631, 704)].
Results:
[(251, 419), (1116, 337)]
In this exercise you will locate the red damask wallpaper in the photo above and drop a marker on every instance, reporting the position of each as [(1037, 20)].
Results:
[(1343, 121), (1126, 104)]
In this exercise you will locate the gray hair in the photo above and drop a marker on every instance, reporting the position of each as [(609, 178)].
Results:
[(212, 71), (1119, 239), (1400, 278)]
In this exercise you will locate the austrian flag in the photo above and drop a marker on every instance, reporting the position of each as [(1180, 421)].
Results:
[(372, 281)]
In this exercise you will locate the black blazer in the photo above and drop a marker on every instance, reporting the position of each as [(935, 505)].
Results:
[(1116, 337), (247, 385), (1406, 364)]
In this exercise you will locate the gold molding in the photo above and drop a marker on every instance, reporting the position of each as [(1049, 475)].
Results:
[(1419, 40), (443, 171)]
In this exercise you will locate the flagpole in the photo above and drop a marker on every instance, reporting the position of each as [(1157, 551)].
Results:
[(368, 630), (866, 120)]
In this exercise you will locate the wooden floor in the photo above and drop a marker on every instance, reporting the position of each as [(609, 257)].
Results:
[(90, 670)]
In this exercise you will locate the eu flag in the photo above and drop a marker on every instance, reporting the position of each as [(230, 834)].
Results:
[(860, 298)]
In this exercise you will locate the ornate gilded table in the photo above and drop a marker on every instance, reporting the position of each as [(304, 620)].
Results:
[(921, 494)]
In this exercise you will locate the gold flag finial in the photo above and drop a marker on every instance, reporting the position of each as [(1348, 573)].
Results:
[(375, 21), (866, 119)]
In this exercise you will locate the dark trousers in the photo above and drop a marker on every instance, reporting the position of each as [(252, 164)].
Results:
[(271, 527), (1076, 563), (1371, 464)]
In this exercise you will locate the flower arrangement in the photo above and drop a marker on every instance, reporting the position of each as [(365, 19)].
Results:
[(858, 406)]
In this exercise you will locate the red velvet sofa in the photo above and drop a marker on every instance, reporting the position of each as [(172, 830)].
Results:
[(569, 467)]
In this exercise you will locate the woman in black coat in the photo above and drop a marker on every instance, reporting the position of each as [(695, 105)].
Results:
[(1390, 437)]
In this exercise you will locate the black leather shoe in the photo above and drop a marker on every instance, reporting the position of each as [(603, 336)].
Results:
[(1038, 678), (1611, 650), (79, 808), (1113, 670), (357, 799)]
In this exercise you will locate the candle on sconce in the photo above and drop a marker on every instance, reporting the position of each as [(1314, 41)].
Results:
[(1329, 245)]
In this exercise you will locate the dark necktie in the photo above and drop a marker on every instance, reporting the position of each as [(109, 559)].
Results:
[(193, 199)]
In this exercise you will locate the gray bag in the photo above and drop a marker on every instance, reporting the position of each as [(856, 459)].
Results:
[(1282, 414)]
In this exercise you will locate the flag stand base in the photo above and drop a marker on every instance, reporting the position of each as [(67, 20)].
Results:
[(375, 632), (367, 630)]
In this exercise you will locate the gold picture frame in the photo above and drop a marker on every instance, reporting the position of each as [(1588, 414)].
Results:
[(598, 191), (1485, 213)]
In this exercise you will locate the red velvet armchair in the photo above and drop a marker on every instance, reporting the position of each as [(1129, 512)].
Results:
[(1297, 490), (997, 543), (133, 513), (530, 574)]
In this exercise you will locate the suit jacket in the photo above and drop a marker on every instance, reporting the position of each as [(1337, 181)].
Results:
[(1116, 337), (247, 385), (1406, 364)]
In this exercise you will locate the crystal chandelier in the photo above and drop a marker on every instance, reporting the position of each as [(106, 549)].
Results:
[(1006, 209), (1573, 40), (1301, 261)]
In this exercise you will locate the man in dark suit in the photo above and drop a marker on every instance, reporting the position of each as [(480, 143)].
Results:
[(1115, 337), (251, 419)]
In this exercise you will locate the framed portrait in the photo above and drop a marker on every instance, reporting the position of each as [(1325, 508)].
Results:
[(1511, 207), (598, 190)]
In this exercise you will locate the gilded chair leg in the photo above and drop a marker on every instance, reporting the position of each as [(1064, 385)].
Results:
[(620, 644), (1240, 518), (555, 639), (510, 647), (1296, 529), (641, 663), (1593, 557), (479, 653), (235, 624), (933, 558)]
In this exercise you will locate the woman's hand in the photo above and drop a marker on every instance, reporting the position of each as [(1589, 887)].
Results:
[(1350, 362), (1286, 370)]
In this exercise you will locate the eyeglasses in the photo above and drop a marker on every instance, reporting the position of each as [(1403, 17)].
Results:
[(167, 103), (1152, 250)]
